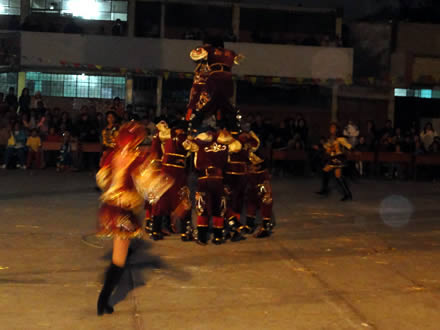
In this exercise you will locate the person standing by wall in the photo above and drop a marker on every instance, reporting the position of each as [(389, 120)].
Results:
[(34, 149)]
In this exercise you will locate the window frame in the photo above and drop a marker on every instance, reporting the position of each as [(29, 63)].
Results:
[(76, 85)]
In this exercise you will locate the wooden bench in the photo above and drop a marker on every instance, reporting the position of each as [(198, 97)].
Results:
[(56, 146), (91, 147), (393, 158), (51, 146), (358, 156), (425, 160), (289, 155)]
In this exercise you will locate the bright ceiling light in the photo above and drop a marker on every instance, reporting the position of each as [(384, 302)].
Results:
[(87, 9), (2, 9)]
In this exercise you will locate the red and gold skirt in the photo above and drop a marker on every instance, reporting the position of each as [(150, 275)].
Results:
[(114, 221)]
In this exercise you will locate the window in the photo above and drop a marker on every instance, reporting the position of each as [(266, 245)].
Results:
[(426, 93), (176, 91), (8, 80), (400, 92), (10, 7), (74, 85), (419, 93), (104, 10)]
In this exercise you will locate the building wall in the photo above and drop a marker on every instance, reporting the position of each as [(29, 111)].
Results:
[(372, 44), (419, 39), (37, 50), (424, 67)]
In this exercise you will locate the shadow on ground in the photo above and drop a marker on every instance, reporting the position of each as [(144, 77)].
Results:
[(139, 264)]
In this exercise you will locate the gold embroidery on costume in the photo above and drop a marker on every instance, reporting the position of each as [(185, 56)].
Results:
[(223, 206), (200, 202), (108, 137), (265, 192), (203, 100), (215, 148)]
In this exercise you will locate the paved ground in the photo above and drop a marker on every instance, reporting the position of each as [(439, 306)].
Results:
[(369, 264)]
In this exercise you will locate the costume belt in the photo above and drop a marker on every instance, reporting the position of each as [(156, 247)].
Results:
[(174, 160), (220, 68), (236, 168), (211, 173)]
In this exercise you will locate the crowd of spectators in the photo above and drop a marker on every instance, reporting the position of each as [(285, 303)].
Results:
[(293, 134), (393, 139), (25, 123)]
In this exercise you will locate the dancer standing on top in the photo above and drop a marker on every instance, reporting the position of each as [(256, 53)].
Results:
[(213, 86), (334, 149)]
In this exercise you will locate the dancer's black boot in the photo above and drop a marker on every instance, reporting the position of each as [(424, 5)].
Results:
[(226, 231), (325, 180), (112, 279), (345, 189), (234, 228), (157, 228), (202, 235), (186, 229), (167, 229), (265, 230), (250, 226), (218, 236), (149, 226)]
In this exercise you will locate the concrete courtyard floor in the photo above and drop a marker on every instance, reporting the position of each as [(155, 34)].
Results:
[(373, 263)]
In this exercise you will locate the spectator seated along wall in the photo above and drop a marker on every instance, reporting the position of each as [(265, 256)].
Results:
[(34, 150)]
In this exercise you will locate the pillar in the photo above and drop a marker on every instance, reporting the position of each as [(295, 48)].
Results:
[(334, 110), (25, 10), (129, 90), (391, 105), (159, 95), (21, 83), (162, 19), (339, 22), (131, 18), (236, 20)]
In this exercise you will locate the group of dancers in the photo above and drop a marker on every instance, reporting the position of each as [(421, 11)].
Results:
[(227, 169), (225, 159)]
